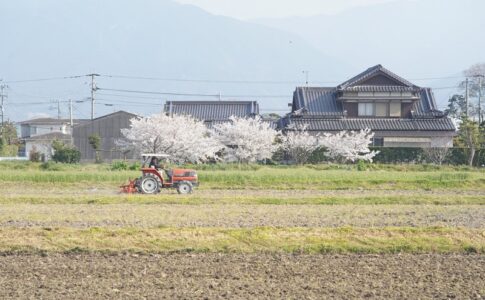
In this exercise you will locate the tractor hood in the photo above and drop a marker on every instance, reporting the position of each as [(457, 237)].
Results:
[(183, 172)]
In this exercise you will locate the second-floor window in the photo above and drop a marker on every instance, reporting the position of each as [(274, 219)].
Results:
[(379, 109), (366, 109)]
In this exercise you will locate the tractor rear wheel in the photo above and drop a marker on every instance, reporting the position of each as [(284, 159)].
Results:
[(184, 188), (150, 184)]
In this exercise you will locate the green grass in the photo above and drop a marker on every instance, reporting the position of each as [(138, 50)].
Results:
[(271, 178), (291, 240)]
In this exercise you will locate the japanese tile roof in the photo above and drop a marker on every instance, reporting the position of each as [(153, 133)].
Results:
[(50, 121), (50, 137), (212, 110), (316, 101), (382, 88), (372, 72), (437, 124)]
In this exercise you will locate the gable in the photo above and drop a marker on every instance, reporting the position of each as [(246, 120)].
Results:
[(380, 79), (376, 76)]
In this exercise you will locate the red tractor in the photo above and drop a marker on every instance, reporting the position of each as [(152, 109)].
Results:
[(155, 177)]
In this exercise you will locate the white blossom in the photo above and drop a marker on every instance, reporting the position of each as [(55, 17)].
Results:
[(349, 146), (299, 144), (246, 139), (184, 138)]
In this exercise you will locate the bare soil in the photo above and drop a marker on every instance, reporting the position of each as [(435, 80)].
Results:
[(236, 276), (239, 216)]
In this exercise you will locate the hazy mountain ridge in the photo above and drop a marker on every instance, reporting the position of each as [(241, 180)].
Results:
[(415, 39), (151, 38)]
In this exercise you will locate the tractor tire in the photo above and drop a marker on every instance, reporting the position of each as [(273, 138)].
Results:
[(184, 188), (150, 184)]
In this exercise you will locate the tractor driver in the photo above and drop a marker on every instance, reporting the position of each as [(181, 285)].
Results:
[(154, 163)]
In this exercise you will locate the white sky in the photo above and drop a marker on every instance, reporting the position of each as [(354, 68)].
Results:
[(249, 9)]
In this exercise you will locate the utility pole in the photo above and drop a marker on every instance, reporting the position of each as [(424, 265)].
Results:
[(93, 90), (466, 97), (71, 122), (58, 109), (480, 77), (3, 96)]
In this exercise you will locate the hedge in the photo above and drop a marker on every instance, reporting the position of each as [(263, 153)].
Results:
[(456, 156)]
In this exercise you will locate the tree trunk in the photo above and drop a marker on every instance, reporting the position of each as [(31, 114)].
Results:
[(471, 156)]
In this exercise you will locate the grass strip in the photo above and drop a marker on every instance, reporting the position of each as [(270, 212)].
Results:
[(288, 240), (271, 178), (195, 199)]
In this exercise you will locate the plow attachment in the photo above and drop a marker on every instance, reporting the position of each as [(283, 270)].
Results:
[(129, 188)]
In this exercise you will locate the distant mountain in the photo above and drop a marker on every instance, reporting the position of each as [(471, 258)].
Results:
[(154, 38), (415, 39)]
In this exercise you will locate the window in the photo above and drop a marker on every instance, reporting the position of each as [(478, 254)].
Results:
[(395, 109), (378, 142), (381, 109), (33, 130), (366, 109)]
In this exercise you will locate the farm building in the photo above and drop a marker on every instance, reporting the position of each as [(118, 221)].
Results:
[(400, 113), (108, 128), (212, 112)]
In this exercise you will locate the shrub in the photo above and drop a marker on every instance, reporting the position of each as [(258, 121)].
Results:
[(135, 166), (361, 165), (119, 166), (398, 155), (34, 155), (65, 153), (67, 156), (95, 142)]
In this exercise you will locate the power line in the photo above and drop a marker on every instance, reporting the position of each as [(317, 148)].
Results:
[(46, 79), (251, 81), (192, 94), (204, 80), (159, 93)]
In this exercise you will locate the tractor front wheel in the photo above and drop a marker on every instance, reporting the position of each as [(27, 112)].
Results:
[(150, 184), (184, 188)]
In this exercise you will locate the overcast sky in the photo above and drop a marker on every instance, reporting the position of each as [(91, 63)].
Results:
[(248, 9)]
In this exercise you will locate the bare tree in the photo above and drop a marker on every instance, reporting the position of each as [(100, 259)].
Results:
[(436, 155)]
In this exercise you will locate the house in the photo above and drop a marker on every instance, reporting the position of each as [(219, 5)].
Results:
[(43, 144), (212, 112), (400, 113), (41, 126), (38, 134), (108, 128)]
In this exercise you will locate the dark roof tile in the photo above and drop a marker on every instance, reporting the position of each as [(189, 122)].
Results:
[(437, 124), (212, 110)]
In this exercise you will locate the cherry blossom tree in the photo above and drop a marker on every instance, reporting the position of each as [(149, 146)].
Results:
[(184, 138), (246, 139), (299, 144), (349, 146)]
